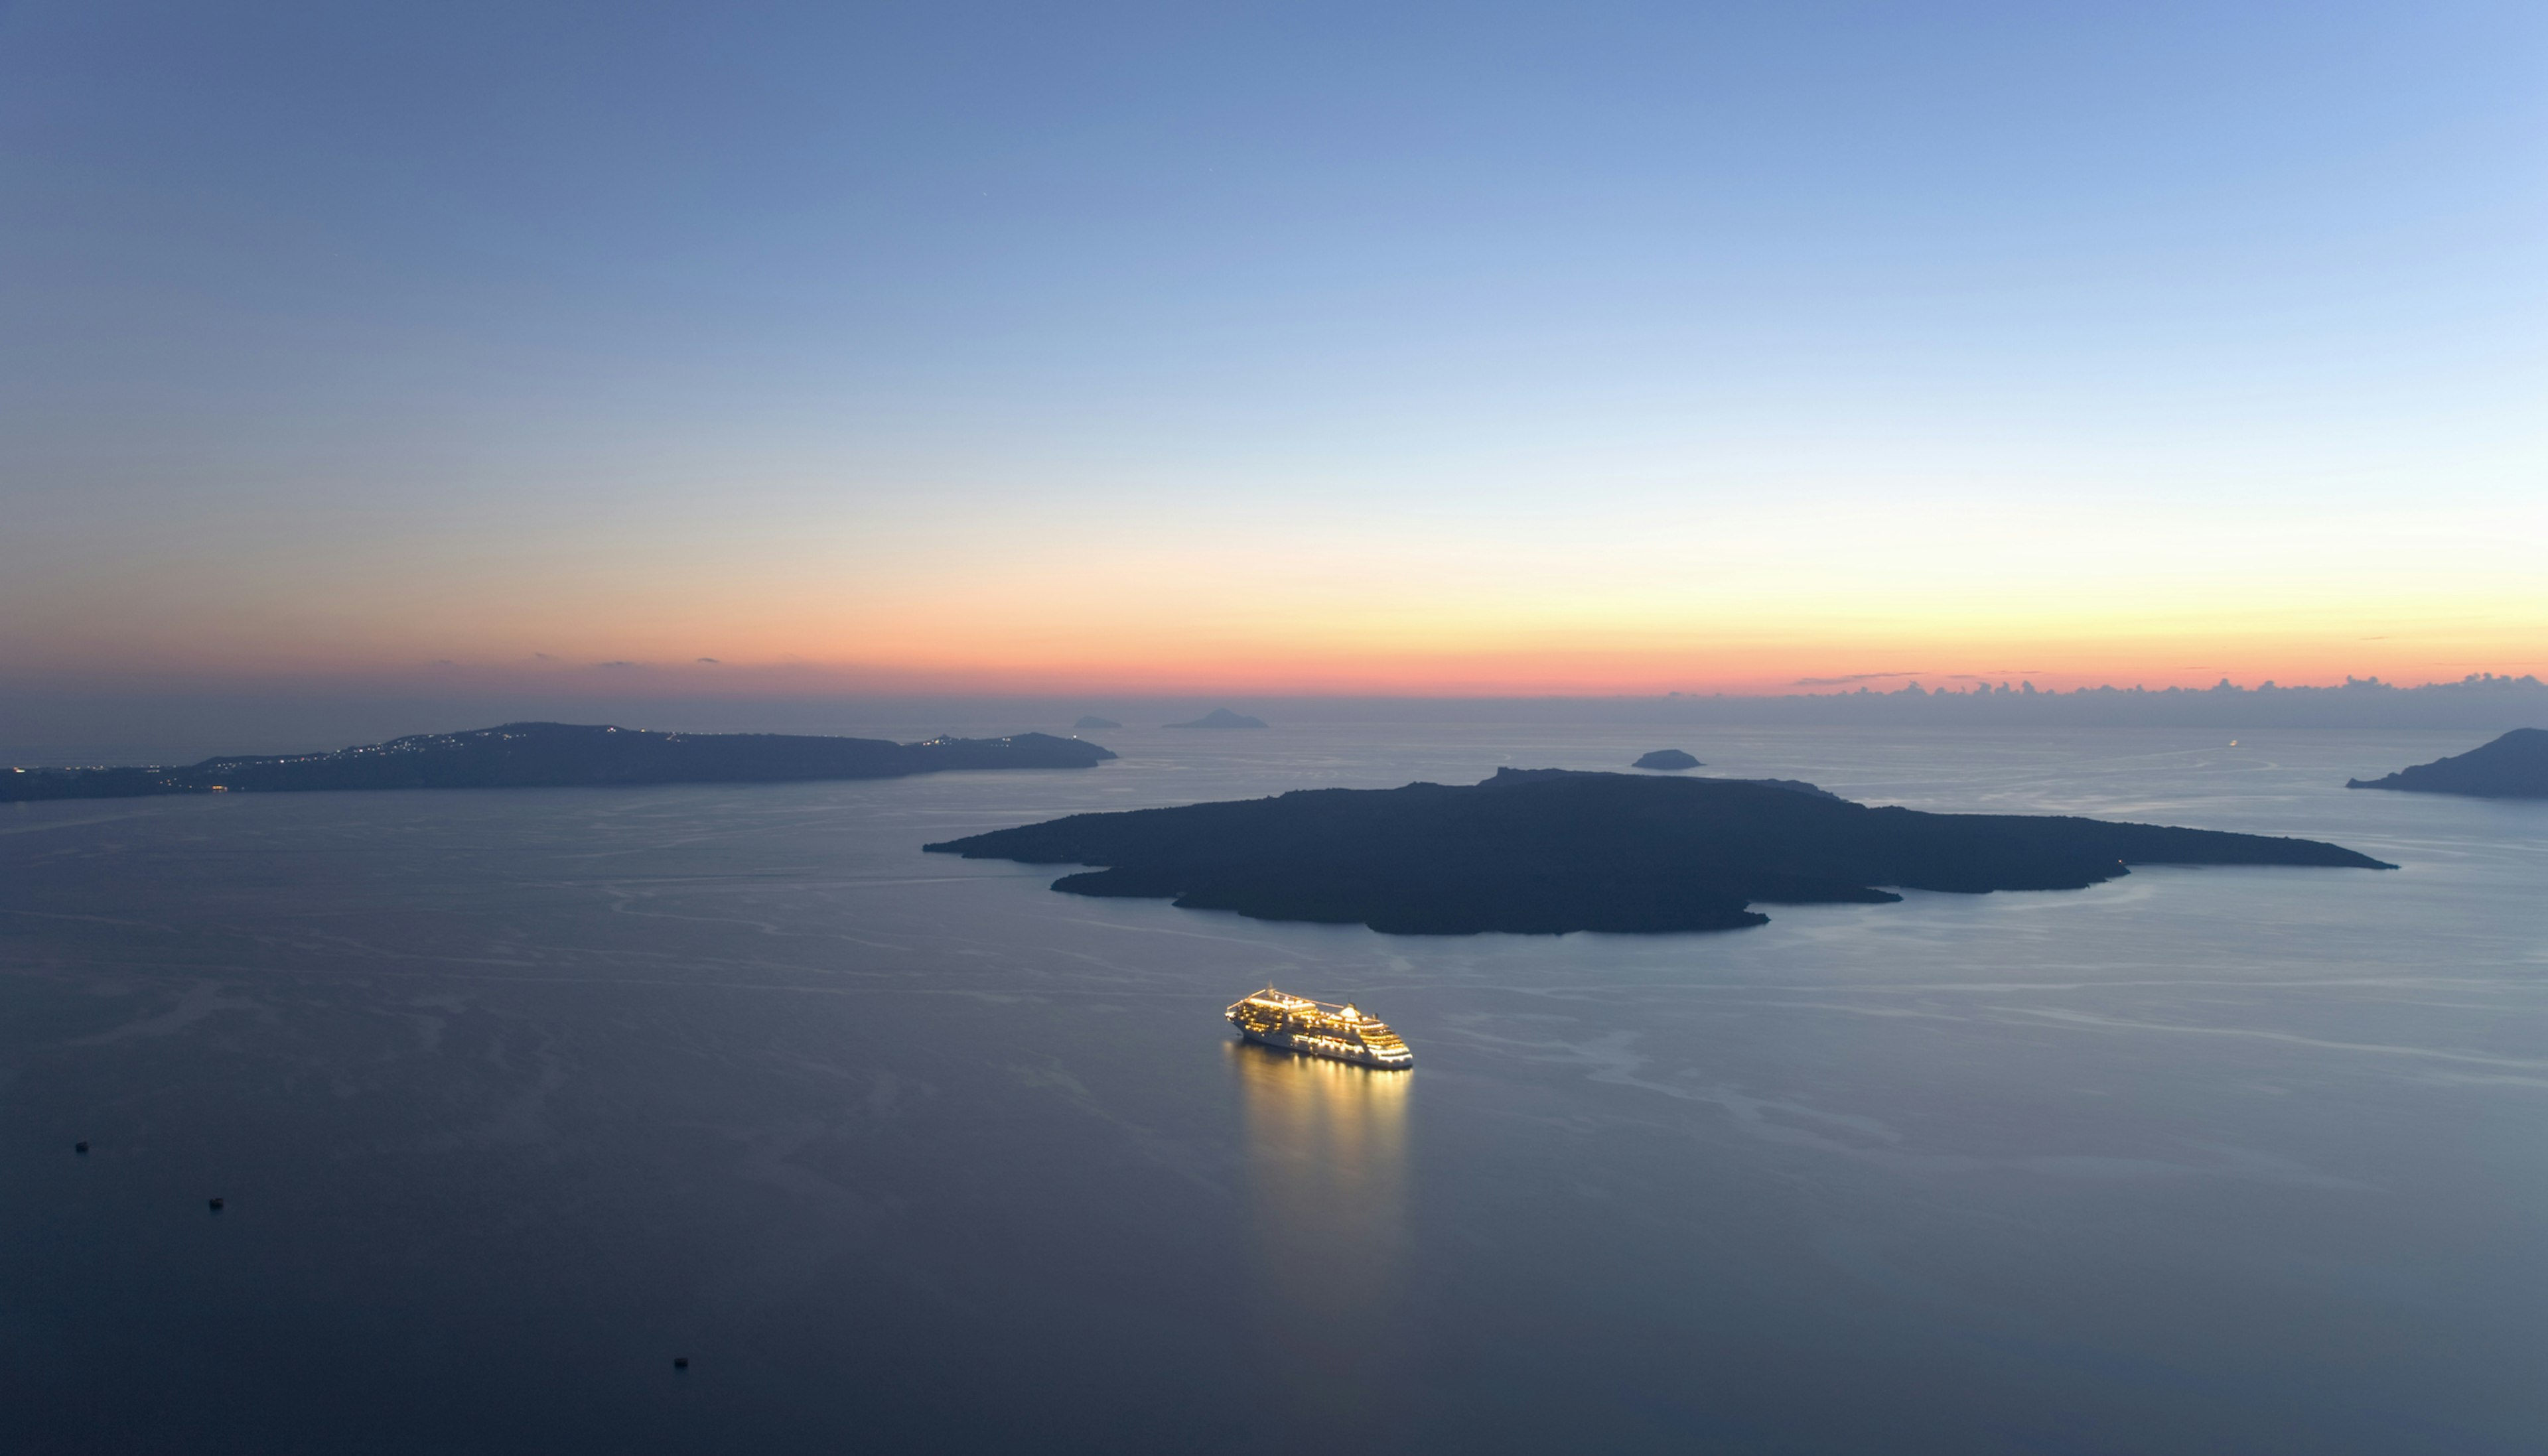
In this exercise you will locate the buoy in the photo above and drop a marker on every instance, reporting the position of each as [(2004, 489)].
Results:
[(216, 1205), (80, 1148), (681, 1362)]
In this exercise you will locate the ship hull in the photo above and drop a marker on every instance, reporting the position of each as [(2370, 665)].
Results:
[(1282, 1040)]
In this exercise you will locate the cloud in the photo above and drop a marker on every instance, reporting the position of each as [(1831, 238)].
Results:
[(542, 657), (709, 660), (615, 663), (1852, 678)]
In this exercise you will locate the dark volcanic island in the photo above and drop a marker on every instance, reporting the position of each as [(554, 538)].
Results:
[(2513, 767), (560, 756), (1668, 758), (1546, 850)]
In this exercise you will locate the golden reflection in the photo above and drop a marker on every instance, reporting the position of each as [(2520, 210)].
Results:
[(1326, 1151)]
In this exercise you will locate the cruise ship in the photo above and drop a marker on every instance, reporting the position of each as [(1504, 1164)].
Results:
[(1320, 1028)]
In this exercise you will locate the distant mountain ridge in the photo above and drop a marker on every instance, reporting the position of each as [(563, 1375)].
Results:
[(558, 755), (2513, 767), (2483, 701)]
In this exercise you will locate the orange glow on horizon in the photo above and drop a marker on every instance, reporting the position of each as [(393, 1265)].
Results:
[(1545, 670), (1777, 602)]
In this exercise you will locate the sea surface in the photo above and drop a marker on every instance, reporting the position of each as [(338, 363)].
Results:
[(512, 1097)]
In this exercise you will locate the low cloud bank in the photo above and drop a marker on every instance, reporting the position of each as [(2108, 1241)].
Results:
[(2479, 700), (63, 726)]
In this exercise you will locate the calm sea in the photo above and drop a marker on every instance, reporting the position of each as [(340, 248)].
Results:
[(515, 1097)]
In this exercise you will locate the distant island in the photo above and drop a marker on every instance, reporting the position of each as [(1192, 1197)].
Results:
[(560, 756), (2483, 702), (1223, 719), (2513, 767), (1093, 723), (1666, 758), (1547, 851)]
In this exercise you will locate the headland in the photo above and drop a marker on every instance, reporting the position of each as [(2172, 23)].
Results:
[(2513, 767), (559, 756)]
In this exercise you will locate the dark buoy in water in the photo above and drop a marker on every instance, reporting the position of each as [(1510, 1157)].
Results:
[(80, 1147), (681, 1362), (216, 1205)]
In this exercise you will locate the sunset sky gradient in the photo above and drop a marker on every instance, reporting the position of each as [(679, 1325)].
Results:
[(1461, 351)]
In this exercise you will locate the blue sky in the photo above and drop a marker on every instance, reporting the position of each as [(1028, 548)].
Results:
[(315, 314)]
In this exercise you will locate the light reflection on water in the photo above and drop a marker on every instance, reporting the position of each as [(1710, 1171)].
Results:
[(1325, 1158), (520, 1094)]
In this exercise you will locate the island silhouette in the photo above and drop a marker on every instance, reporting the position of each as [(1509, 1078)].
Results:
[(2513, 767), (1548, 851), (1221, 718), (560, 754), (1668, 759)]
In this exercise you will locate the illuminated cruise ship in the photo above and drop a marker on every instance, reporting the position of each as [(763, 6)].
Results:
[(1320, 1028)]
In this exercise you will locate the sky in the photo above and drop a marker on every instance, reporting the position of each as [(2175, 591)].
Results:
[(1464, 349)]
